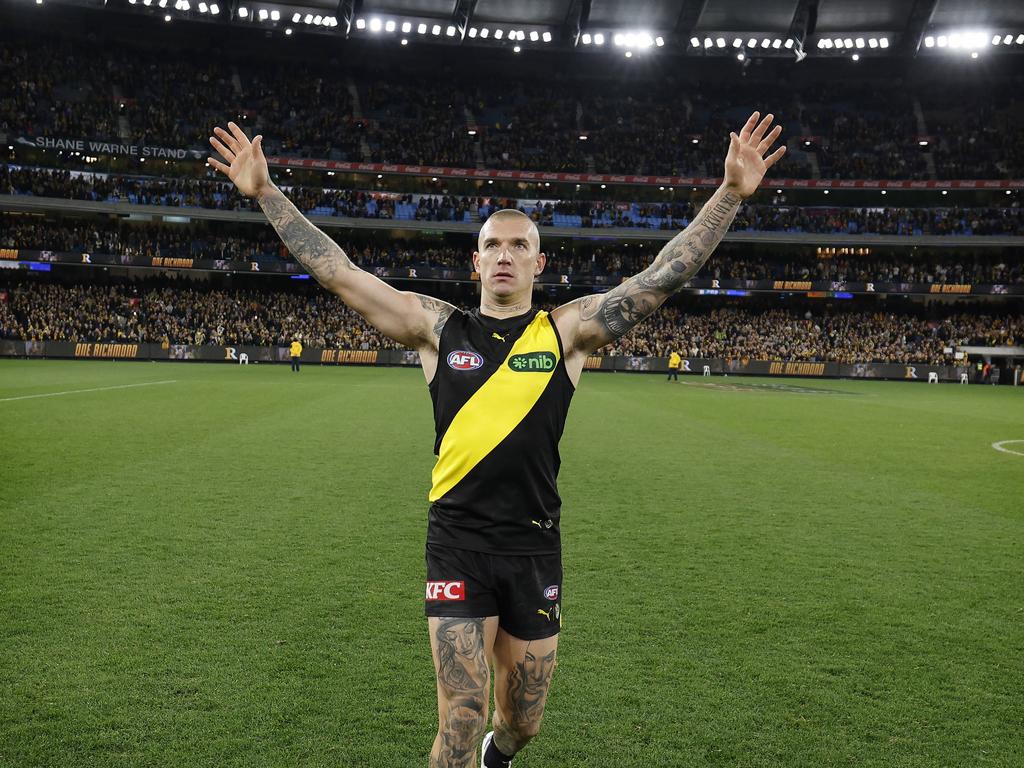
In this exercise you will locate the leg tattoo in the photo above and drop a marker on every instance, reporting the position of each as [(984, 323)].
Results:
[(464, 678)]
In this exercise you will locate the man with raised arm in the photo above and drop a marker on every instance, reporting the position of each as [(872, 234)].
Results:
[(501, 378)]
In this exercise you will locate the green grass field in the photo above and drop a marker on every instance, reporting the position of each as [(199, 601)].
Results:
[(227, 570)]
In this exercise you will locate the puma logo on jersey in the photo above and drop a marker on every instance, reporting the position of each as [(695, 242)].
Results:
[(496, 336), (542, 524), (546, 614)]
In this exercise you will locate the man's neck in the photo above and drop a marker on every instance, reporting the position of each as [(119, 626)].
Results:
[(516, 306)]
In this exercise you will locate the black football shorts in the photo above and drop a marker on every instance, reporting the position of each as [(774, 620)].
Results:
[(523, 591)]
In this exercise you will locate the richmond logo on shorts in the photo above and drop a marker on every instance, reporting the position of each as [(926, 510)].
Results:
[(446, 590), (461, 360)]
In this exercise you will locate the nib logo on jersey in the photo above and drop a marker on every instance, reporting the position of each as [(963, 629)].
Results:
[(540, 362), (446, 590), (461, 360)]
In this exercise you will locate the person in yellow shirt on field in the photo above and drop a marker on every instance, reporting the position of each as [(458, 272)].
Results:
[(296, 354), (674, 364)]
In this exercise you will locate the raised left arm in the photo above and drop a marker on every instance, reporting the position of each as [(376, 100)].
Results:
[(587, 324)]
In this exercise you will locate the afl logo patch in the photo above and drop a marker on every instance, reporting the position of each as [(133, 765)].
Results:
[(462, 360), (551, 593)]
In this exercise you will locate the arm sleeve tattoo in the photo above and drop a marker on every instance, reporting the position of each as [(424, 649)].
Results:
[(313, 249), (619, 310)]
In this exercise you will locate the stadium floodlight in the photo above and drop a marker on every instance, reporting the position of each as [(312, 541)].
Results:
[(996, 39), (407, 28), (308, 19), (546, 37), (132, 2), (1008, 39), (872, 42), (389, 25), (405, 41), (296, 17), (263, 14), (317, 19), (376, 25), (185, 5), (659, 41), (765, 42), (695, 140), (275, 15), (954, 40), (629, 54), (450, 31), (1020, 39), (203, 7), (162, 3), (884, 42), (777, 43), (929, 42), (644, 40), (856, 57), (243, 12), (737, 43), (499, 33), (435, 30), (821, 43), (922, 143), (838, 43), (421, 29), (167, 17), (974, 54), (629, 40), (214, 9), (848, 42), (695, 42), (516, 49), (618, 39), (583, 137), (484, 32), (708, 42), (534, 36), (859, 42), (740, 57), (599, 39), (789, 43), (720, 42), (945, 192), (752, 42), (287, 30), (585, 39), (360, 23), (942, 41)]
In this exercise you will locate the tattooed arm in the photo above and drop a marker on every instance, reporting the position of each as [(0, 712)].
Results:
[(589, 323), (408, 318)]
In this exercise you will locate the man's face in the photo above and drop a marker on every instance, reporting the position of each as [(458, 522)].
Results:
[(509, 256)]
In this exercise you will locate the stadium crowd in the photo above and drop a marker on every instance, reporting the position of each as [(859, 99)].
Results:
[(870, 129), (182, 313), (349, 203), (603, 264)]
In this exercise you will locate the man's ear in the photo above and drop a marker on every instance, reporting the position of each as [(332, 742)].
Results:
[(542, 260), (476, 261)]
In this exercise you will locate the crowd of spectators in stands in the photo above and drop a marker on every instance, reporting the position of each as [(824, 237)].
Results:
[(205, 193), (601, 264), (184, 314), (870, 129)]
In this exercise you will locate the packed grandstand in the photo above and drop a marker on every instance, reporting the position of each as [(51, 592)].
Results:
[(889, 234)]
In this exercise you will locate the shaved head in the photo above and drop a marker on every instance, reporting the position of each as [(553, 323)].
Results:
[(511, 216)]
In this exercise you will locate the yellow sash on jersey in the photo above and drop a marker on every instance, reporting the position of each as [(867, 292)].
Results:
[(494, 410)]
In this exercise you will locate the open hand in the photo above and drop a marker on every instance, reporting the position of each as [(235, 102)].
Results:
[(247, 166), (746, 164)]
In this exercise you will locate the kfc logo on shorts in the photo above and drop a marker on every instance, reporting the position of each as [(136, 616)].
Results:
[(551, 593), (446, 590), (461, 360)]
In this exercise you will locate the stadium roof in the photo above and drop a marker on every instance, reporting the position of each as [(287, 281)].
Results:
[(694, 27)]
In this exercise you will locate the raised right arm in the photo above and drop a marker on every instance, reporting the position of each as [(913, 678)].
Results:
[(409, 318)]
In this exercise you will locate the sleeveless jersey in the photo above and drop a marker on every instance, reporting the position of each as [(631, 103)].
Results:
[(501, 394)]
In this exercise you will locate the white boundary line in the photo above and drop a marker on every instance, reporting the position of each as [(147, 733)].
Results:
[(999, 447), (97, 389)]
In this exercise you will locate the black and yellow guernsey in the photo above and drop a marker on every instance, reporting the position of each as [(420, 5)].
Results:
[(501, 394)]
